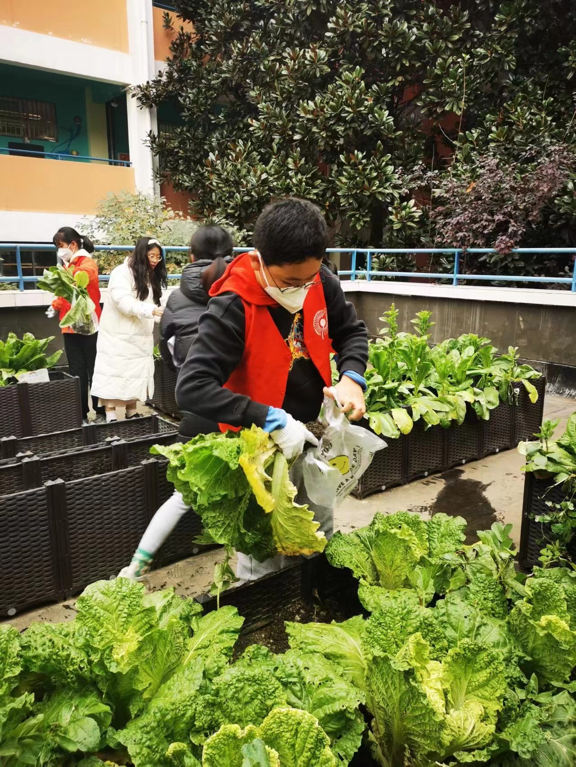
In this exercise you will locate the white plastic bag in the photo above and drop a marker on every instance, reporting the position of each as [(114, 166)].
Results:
[(333, 469)]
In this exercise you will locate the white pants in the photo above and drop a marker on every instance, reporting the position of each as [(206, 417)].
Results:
[(248, 568), (163, 522)]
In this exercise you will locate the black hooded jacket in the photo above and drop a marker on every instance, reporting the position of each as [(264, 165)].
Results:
[(182, 313)]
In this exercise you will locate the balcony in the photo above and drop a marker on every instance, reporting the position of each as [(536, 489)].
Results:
[(42, 185)]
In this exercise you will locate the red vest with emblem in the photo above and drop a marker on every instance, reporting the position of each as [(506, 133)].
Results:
[(263, 371)]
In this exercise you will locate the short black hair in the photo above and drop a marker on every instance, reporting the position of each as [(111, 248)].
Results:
[(290, 232)]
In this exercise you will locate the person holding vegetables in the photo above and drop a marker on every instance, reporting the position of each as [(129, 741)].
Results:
[(262, 355), (74, 253), (124, 371)]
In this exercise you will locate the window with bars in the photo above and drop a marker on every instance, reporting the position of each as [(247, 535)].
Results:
[(28, 119), (166, 129)]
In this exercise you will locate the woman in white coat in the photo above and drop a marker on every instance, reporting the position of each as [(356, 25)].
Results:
[(124, 371)]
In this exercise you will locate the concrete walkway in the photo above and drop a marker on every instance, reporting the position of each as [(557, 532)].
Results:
[(482, 492)]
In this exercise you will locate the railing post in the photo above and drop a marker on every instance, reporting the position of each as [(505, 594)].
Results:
[(19, 268), (456, 267), (353, 266), (368, 265), (574, 276)]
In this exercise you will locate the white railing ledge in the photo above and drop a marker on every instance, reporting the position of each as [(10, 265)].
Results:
[(28, 298), (463, 292), (31, 298)]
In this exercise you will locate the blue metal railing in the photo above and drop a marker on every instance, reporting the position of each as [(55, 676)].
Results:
[(62, 156), (455, 276)]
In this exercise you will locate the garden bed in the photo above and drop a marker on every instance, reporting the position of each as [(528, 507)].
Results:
[(164, 398), (423, 452), (39, 408), (58, 538), (534, 535), (72, 439)]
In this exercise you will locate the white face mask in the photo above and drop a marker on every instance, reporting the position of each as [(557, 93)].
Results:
[(64, 254), (292, 299)]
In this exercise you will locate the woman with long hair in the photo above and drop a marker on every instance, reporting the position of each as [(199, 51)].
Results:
[(75, 254), (124, 372)]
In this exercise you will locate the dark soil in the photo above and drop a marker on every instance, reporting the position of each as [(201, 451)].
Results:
[(316, 428), (274, 636)]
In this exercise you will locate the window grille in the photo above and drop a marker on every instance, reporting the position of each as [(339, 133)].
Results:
[(27, 119), (165, 130)]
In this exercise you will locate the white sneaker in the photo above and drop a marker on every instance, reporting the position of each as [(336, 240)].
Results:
[(135, 571)]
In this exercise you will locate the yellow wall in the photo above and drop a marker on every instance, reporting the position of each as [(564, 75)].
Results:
[(163, 37), (94, 22), (96, 123), (59, 186)]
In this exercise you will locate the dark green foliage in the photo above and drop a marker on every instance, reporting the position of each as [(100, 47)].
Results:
[(345, 103)]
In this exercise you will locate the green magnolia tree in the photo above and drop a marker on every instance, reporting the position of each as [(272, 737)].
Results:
[(346, 102)]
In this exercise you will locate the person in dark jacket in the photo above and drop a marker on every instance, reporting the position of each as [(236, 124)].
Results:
[(211, 249), (262, 353)]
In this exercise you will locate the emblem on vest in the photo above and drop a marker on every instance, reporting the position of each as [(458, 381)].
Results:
[(320, 323)]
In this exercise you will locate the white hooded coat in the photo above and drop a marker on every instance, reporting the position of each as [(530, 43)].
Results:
[(125, 351)]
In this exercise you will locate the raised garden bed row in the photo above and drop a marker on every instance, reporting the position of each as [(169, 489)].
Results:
[(58, 538), (13, 448), (39, 408), (424, 452)]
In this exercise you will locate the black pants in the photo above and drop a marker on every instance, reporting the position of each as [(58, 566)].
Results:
[(81, 354)]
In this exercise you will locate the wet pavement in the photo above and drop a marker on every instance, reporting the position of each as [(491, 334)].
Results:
[(482, 492)]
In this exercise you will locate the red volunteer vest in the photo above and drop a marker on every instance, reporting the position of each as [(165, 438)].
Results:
[(263, 371)]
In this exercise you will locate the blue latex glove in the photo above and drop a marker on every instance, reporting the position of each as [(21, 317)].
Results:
[(276, 419)]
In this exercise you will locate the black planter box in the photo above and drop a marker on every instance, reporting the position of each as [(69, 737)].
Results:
[(463, 443), (58, 538), (533, 534), (75, 439), (164, 398), (261, 602), (433, 450), (30, 409), (34, 471), (386, 470)]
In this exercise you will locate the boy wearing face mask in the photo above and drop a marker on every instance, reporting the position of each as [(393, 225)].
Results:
[(262, 353), (75, 253), (262, 356)]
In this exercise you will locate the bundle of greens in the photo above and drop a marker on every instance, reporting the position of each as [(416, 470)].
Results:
[(24, 355), (409, 380), (60, 281), (238, 484)]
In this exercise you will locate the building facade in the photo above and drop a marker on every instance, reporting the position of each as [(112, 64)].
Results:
[(70, 131)]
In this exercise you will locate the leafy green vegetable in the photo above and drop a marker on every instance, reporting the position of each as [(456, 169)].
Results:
[(463, 661), (408, 380), (240, 487), (61, 281), (399, 551), (24, 355), (293, 738)]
